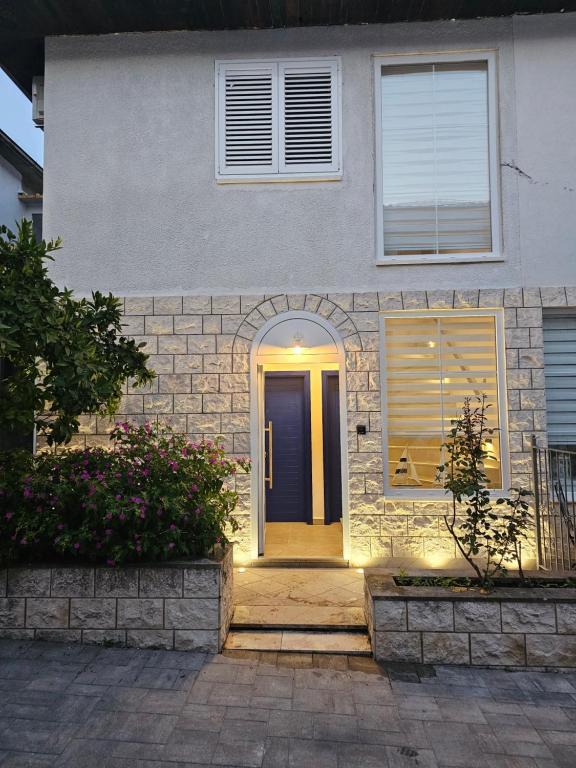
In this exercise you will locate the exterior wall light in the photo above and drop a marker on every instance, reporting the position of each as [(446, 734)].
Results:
[(297, 344)]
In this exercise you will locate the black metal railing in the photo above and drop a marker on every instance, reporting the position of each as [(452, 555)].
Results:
[(554, 474)]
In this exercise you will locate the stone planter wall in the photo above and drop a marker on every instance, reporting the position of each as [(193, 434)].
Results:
[(185, 605), (507, 628)]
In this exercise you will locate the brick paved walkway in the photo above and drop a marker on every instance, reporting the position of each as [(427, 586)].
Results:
[(114, 708)]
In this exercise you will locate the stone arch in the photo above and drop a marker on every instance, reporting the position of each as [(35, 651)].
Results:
[(314, 303)]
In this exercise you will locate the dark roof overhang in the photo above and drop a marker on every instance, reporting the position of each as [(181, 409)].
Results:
[(25, 23)]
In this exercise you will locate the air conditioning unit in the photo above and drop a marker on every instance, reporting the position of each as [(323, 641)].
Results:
[(38, 101)]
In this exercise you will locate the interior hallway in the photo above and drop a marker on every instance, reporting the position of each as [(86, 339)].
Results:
[(285, 540)]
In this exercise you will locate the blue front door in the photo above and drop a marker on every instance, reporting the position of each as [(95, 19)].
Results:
[(288, 447)]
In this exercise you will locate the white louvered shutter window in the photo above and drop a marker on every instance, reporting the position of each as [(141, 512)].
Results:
[(248, 125), (435, 159), (308, 118), (278, 118), (560, 374), (432, 364)]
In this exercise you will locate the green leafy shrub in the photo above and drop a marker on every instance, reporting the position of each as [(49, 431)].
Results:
[(489, 536), (62, 357), (154, 496)]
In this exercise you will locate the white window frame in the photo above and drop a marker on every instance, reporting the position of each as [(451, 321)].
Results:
[(489, 56), (282, 175), (415, 493)]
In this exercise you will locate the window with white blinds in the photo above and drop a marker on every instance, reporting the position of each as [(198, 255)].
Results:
[(437, 138), (278, 118), (431, 364), (560, 374)]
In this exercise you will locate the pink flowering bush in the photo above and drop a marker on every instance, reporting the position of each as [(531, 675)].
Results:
[(154, 496)]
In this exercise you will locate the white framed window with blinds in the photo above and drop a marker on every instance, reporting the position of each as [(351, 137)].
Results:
[(437, 158), (430, 363), (278, 119)]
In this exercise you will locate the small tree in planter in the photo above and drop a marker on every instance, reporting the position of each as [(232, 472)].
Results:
[(488, 538)]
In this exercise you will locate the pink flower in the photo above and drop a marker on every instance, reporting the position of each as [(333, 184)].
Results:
[(193, 487), (172, 527), (108, 532), (122, 516), (118, 497), (138, 548), (84, 475), (60, 526), (171, 545), (23, 541), (110, 562), (27, 493), (77, 546), (9, 515)]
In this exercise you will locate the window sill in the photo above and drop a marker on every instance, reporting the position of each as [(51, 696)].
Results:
[(456, 258), (278, 179), (416, 494)]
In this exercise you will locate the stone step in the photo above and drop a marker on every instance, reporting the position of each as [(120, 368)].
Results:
[(299, 562), (350, 643), (323, 618)]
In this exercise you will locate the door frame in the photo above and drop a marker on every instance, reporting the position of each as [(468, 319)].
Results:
[(305, 375), (257, 515), (326, 375)]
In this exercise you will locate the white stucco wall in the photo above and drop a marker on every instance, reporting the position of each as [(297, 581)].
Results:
[(129, 164), (545, 64)]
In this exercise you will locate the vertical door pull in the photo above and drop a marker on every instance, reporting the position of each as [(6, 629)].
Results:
[(269, 478)]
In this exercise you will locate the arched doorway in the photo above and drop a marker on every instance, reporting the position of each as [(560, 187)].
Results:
[(298, 445)]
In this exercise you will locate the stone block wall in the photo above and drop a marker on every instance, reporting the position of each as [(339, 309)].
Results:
[(200, 348), (507, 628), (186, 606)]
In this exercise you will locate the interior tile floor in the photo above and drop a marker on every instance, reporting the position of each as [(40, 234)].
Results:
[(303, 540), (299, 597)]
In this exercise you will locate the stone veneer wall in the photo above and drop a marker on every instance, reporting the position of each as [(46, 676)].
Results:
[(200, 345), (186, 606), (508, 627)]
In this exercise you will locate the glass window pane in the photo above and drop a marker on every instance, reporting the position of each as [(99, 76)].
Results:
[(435, 159), (432, 364)]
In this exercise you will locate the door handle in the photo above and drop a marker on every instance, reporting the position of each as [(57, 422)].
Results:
[(269, 479)]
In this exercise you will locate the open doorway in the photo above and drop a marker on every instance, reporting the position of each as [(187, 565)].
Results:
[(303, 485), (300, 414)]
